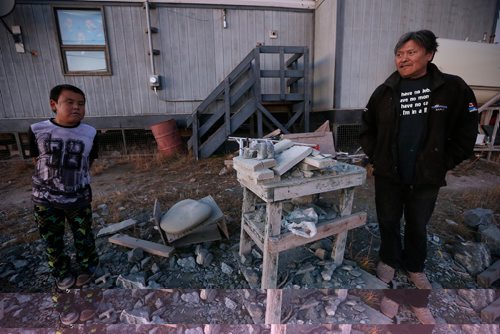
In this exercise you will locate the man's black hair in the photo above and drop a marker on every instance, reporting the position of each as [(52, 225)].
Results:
[(57, 90), (424, 38)]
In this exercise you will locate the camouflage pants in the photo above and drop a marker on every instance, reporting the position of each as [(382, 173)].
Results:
[(51, 223)]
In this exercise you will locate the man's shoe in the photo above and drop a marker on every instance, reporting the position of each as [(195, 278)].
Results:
[(420, 280), (69, 318), (64, 283), (87, 314), (424, 315), (385, 272), (83, 279), (389, 307)]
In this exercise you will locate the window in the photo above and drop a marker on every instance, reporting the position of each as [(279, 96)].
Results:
[(82, 40)]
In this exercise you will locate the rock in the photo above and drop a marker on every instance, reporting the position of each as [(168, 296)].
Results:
[(251, 276), (474, 256), (208, 295), (478, 216), (19, 264), (135, 255), (154, 268), (103, 209), (256, 311), (477, 298), (187, 263), (191, 297), (134, 281), (196, 330), (490, 235), (480, 329), (320, 253), (230, 304), (136, 316), (226, 269)]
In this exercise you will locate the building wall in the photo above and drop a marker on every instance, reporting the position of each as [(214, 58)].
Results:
[(196, 53), (367, 31)]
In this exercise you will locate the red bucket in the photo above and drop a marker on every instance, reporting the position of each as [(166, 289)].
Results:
[(167, 137)]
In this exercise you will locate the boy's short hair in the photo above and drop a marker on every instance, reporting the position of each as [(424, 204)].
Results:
[(57, 90), (424, 38)]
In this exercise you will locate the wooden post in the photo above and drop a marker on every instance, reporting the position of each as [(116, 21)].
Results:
[(278, 329), (270, 265), (249, 200), (227, 106), (346, 199), (195, 140), (273, 306)]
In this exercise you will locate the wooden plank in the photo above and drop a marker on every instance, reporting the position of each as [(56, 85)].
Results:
[(317, 185), (157, 219), (270, 259), (147, 246), (253, 164), (325, 229), (292, 97), (249, 200), (277, 73), (323, 139), (273, 306), (289, 158), (112, 229)]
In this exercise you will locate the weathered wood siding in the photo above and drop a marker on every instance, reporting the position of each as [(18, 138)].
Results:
[(367, 31), (196, 53)]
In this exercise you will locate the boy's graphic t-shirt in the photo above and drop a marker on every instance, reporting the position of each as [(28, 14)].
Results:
[(413, 115), (62, 171)]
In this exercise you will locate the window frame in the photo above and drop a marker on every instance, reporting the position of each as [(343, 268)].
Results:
[(63, 48)]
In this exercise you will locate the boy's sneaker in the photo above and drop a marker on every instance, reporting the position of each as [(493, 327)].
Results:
[(83, 279), (64, 283), (69, 318), (87, 314)]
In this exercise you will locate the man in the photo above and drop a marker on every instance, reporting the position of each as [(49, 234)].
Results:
[(417, 125)]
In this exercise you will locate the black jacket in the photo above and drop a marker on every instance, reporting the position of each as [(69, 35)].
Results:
[(451, 129)]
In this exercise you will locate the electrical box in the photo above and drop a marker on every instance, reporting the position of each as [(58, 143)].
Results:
[(154, 81)]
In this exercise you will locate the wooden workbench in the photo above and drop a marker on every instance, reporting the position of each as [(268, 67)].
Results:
[(266, 235)]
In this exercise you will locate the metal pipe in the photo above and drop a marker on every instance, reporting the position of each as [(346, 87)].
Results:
[(150, 37)]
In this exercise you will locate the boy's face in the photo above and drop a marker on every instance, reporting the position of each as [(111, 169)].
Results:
[(69, 108)]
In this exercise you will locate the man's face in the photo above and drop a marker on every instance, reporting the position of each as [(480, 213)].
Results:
[(411, 60), (69, 108)]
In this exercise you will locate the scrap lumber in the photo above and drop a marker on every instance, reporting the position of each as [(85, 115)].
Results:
[(112, 229), (323, 139), (289, 158), (157, 219), (147, 246)]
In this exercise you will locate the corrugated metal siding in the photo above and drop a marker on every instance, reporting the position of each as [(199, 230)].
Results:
[(368, 30), (196, 54)]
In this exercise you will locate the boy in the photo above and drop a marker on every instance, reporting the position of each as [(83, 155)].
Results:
[(64, 149)]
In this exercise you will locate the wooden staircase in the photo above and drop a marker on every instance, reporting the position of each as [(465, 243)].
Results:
[(239, 96)]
